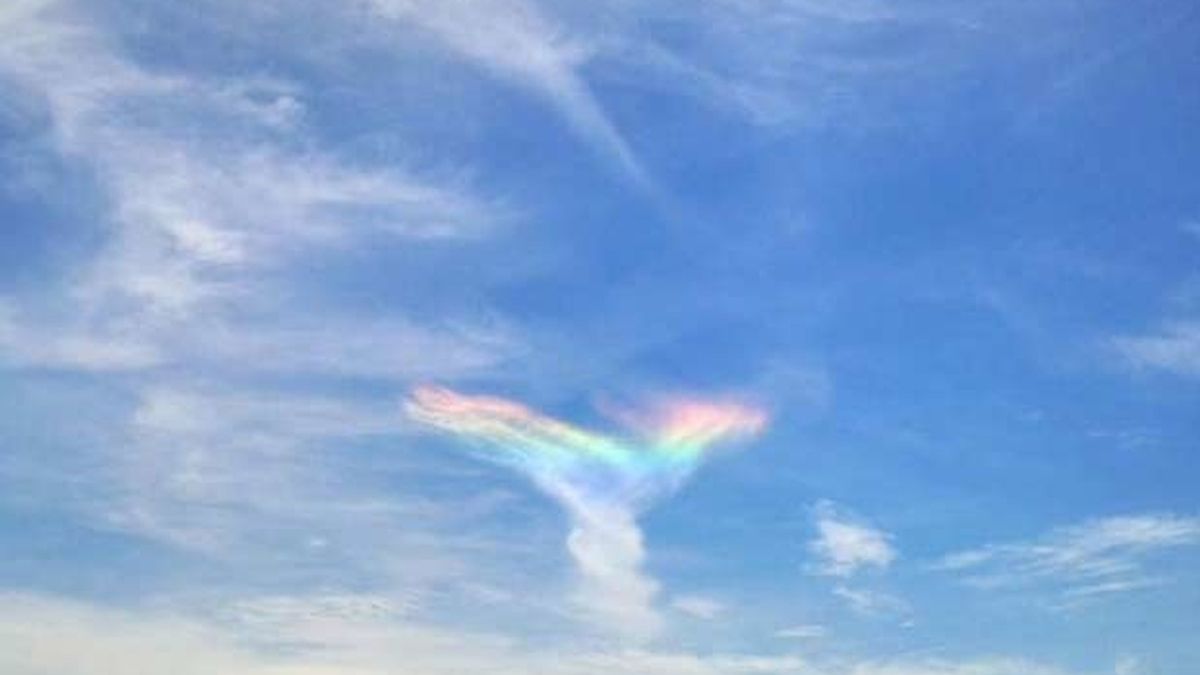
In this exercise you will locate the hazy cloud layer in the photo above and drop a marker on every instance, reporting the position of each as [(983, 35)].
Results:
[(362, 636), (1081, 562)]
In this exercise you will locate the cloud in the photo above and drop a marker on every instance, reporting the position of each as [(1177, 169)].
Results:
[(238, 407), (361, 636), (991, 666), (1175, 349), (844, 544), (205, 411), (515, 41), (699, 606), (305, 636), (872, 603), (802, 632), (791, 64), (213, 193), (607, 546), (26, 344), (1096, 558), (1128, 665), (342, 346), (195, 308), (19, 10), (262, 483), (602, 481), (785, 64)]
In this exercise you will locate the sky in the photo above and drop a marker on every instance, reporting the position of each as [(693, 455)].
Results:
[(565, 337)]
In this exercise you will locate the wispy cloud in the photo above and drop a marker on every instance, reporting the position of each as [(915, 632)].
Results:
[(845, 544), (699, 606), (1128, 665), (993, 666), (1095, 558), (516, 41), (203, 212), (216, 189), (215, 193), (244, 475), (1176, 348), (781, 64), (362, 636), (802, 632), (18, 10), (872, 603), (309, 636), (788, 64)]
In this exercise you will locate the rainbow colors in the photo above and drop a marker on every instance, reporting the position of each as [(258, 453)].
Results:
[(667, 440)]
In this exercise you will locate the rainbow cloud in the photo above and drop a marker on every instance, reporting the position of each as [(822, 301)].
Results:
[(602, 480), (668, 441)]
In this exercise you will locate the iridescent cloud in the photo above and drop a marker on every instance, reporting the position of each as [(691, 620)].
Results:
[(663, 443), (602, 480)]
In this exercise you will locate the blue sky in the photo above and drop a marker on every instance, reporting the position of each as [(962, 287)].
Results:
[(950, 253)]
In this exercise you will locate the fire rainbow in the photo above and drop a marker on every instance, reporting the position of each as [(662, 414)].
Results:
[(666, 441)]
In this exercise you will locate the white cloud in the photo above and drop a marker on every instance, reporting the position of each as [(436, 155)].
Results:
[(305, 637), (615, 593), (188, 292), (87, 639), (802, 632), (1175, 349), (699, 606), (757, 102), (254, 476), (1128, 665), (991, 666), (871, 602), (516, 41), (216, 197), (204, 214), (113, 350), (787, 64), (360, 636), (19, 10), (775, 64), (1095, 558), (844, 544), (274, 613), (197, 410), (602, 492)]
